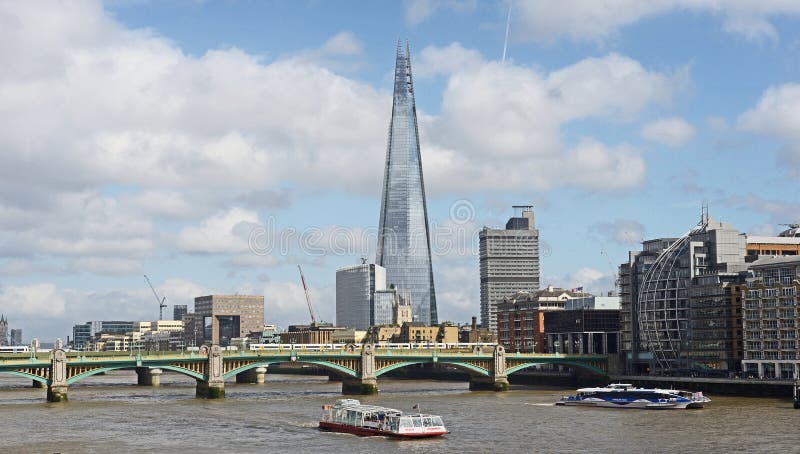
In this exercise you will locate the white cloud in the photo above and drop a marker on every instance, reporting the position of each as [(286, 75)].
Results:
[(453, 58), (224, 232), (777, 115), (418, 11), (344, 43), (592, 280), (621, 231), (516, 115), (673, 131), (35, 300), (588, 20)]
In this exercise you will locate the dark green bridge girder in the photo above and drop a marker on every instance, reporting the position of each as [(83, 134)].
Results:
[(108, 362)]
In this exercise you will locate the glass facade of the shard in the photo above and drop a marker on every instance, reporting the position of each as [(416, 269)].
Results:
[(403, 237)]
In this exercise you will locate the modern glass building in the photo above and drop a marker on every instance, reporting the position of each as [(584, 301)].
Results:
[(355, 295), (689, 311), (403, 236)]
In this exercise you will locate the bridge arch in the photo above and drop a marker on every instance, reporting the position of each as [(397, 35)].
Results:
[(467, 367), (324, 364), (100, 370), (580, 365), (25, 375)]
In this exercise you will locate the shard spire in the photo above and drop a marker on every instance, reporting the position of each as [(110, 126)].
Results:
[(403, 235)]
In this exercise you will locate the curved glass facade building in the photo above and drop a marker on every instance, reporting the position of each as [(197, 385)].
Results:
[(689, 302), (403, 236), (664, 304)]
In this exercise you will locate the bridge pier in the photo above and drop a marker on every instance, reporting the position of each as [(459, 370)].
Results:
[(255, 376), (367, 383), (147, 376), (497, 380), (488, 384), (57, 384), (359, 386), (206, 390), (214, 386)]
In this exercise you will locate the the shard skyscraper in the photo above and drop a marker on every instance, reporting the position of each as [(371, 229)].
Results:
[(403, 237)]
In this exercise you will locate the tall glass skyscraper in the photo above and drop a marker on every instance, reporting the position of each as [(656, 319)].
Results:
[(403, 237)]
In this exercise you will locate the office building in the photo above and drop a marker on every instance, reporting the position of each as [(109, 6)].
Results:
[(520, 317), (787, 243), (582, 331), (592, 302), (638, 358), (509, 262), (219, 319), (16, 336), (771, 319), (688, 310), (403, 238), (356, 303), (178, 311), (83, 334)]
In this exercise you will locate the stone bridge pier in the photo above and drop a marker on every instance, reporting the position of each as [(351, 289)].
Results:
[(57, 383), (256, 376), (367, 383), (497, 380), (214, 387), (148, 376)]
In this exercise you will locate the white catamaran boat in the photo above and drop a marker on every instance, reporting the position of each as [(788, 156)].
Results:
[(350, 416), (621, 395)]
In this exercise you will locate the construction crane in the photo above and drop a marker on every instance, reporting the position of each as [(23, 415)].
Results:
[(160, 300), (610, 265), (308, 296)]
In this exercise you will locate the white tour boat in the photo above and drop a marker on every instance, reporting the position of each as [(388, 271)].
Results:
[(350, 416), (621, 395)]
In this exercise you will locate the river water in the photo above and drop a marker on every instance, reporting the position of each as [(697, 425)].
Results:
[(110, 414)]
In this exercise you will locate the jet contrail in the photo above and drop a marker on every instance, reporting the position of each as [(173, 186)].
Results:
[(508, 24)]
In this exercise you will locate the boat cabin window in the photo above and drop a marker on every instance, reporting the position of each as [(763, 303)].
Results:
[(417, 422), (406, 423), (436, 421)]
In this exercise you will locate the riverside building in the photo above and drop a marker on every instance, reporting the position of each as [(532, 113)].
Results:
[(689, 309), (520, 317), (771, 320), (638, 359), (582, 331), (509, 262), (403, 238)]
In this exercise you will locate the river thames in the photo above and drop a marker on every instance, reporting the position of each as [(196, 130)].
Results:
[(110, 414)]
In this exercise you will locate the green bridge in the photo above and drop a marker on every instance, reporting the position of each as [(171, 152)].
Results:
[(358, 366)]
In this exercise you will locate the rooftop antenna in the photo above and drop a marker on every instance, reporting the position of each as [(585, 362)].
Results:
[(160, 300), (508, 25), (704, 212)]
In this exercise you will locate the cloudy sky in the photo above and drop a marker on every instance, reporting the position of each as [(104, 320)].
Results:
[(216, 145)]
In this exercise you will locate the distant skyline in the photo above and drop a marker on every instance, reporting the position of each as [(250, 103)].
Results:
[(141, 137)]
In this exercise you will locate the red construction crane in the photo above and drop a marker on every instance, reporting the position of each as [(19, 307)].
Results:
[(308, 296)]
